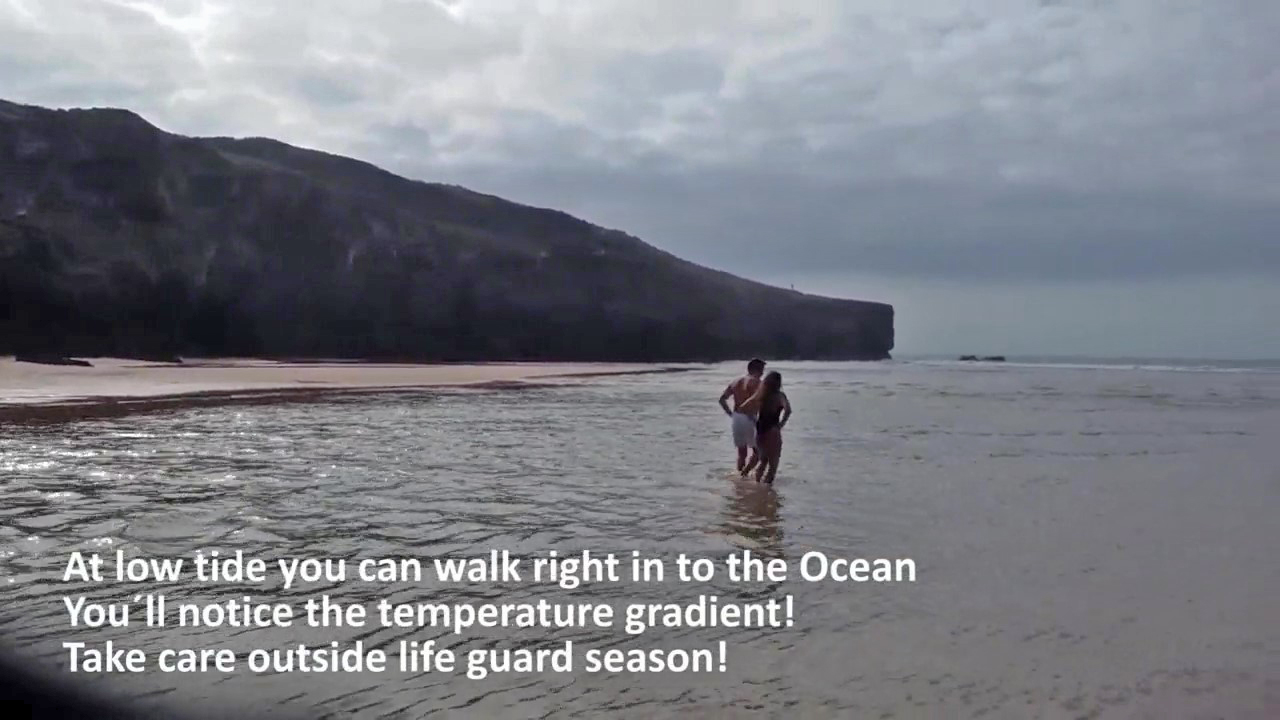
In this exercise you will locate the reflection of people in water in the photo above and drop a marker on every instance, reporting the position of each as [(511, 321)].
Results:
[(752, 512), (772, 410), (743, 424)]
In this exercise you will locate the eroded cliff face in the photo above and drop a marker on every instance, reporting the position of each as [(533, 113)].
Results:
[(119, 238)]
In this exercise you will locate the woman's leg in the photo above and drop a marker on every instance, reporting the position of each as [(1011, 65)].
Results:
[(755, 460), (765, 451), (773, 469), (775, 456)]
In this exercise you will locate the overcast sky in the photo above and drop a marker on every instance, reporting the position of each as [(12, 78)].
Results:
[(1015, 176)]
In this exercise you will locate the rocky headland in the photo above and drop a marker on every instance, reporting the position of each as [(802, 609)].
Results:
[(120, 239)]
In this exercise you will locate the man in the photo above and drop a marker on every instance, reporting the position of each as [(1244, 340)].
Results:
[(743, 424)]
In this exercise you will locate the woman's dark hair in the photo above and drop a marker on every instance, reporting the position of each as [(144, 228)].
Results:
[(773, 382)]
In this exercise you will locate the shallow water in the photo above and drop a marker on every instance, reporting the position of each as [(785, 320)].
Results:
[(1090, 542)]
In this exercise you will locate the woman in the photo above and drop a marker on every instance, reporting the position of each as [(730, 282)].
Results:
[(772, 412)]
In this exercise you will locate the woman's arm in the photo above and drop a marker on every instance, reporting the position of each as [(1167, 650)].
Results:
[(753, 403), (786, 411)]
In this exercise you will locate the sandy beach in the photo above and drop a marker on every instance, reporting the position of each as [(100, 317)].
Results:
[(36, 392)]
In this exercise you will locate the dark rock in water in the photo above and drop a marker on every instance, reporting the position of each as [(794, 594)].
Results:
[(52, 360), (987, 358), (157, 358), (968, 358), (119, 239), (993, 358)]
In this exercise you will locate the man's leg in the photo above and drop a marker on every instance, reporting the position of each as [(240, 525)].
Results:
[(742, 458)]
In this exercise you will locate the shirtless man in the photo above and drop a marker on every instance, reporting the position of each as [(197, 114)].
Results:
[(743, 424)]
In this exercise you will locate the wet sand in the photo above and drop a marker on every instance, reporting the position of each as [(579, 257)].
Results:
[(32, 392)]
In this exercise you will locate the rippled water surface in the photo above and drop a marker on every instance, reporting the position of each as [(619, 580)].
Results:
[(1090, 543)]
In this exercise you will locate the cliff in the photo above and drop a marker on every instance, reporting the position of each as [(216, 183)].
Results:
[(117, 238)]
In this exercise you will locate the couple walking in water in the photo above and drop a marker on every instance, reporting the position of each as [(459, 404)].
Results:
[(760, 410)]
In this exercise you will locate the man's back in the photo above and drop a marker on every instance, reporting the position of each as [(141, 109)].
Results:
[(743, 388)]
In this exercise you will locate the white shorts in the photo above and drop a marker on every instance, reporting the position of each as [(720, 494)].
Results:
[(744, 430)]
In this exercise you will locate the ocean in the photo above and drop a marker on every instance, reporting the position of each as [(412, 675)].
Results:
[(1090, 539)]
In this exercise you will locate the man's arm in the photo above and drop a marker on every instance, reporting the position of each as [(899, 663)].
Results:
[(724, 397), (786, 412)]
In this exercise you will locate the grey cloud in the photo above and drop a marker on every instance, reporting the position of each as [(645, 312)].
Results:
[(768, 225), (656, 74), (91, 53), (1006, 139), (326, 89), (391, 138)]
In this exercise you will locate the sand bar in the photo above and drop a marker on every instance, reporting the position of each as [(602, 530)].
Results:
[(36, 392)]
